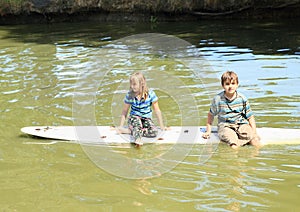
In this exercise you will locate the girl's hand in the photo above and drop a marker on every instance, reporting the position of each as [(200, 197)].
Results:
[(122, 130), (165, 128)]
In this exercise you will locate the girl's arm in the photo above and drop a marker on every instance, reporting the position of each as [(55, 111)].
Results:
[(124, 114), (158, 115), (121, 129), (210, 119)]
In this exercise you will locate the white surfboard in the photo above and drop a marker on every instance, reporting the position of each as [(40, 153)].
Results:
[(184, 134)]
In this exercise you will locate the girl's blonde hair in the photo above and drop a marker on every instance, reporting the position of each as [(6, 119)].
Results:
[(229, 75), (139, 77)]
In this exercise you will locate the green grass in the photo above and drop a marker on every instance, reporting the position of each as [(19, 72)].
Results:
[(11, 6)]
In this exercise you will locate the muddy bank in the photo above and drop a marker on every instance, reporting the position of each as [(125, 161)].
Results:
[(39, 11)]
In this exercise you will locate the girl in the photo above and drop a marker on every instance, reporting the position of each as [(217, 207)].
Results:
[(140, 99)]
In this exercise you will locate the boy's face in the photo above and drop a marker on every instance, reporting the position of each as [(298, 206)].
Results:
[(230, 86)]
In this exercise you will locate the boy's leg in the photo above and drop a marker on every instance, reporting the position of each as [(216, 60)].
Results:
[(247, 135), (136, 127), (228, 134), (149, 129)]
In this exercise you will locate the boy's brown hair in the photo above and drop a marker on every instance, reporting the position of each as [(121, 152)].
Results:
[(229, 75)]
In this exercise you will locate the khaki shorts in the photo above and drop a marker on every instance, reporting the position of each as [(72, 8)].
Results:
[(239, 134)]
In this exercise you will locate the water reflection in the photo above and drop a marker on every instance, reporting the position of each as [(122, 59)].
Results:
[(40, 66), (231, 184), (262, 37)]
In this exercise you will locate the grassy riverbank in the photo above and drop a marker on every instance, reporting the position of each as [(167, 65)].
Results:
[(20, 11)]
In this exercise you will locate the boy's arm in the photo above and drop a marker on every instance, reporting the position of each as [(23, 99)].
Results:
[(256, 140), (158, 115), (252, 123), (210, 119)]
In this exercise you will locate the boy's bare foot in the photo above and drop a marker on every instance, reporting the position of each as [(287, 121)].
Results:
[(256, 142), (234, 146)]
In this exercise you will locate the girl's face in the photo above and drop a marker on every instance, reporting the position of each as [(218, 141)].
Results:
[(135, 86), (230, 86)]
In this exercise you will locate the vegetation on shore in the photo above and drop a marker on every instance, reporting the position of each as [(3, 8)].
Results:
[(174, 8)]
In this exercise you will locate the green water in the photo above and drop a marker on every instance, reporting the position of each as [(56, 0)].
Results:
[(43, 65)]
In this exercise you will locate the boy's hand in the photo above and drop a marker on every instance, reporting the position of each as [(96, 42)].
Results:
[(206, 135)]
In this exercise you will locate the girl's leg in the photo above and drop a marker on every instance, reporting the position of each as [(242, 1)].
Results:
[(136, 127), (149, 129)]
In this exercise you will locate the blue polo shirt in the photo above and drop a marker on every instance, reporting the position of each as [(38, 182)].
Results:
[(237, 111), (141, 107)]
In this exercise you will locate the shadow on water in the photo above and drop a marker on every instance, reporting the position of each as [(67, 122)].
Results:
[(282, 36)]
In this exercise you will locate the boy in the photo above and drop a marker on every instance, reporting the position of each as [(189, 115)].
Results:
[(236, 123)]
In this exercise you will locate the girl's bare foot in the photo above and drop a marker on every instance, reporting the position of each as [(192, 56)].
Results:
[(138, 142)]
